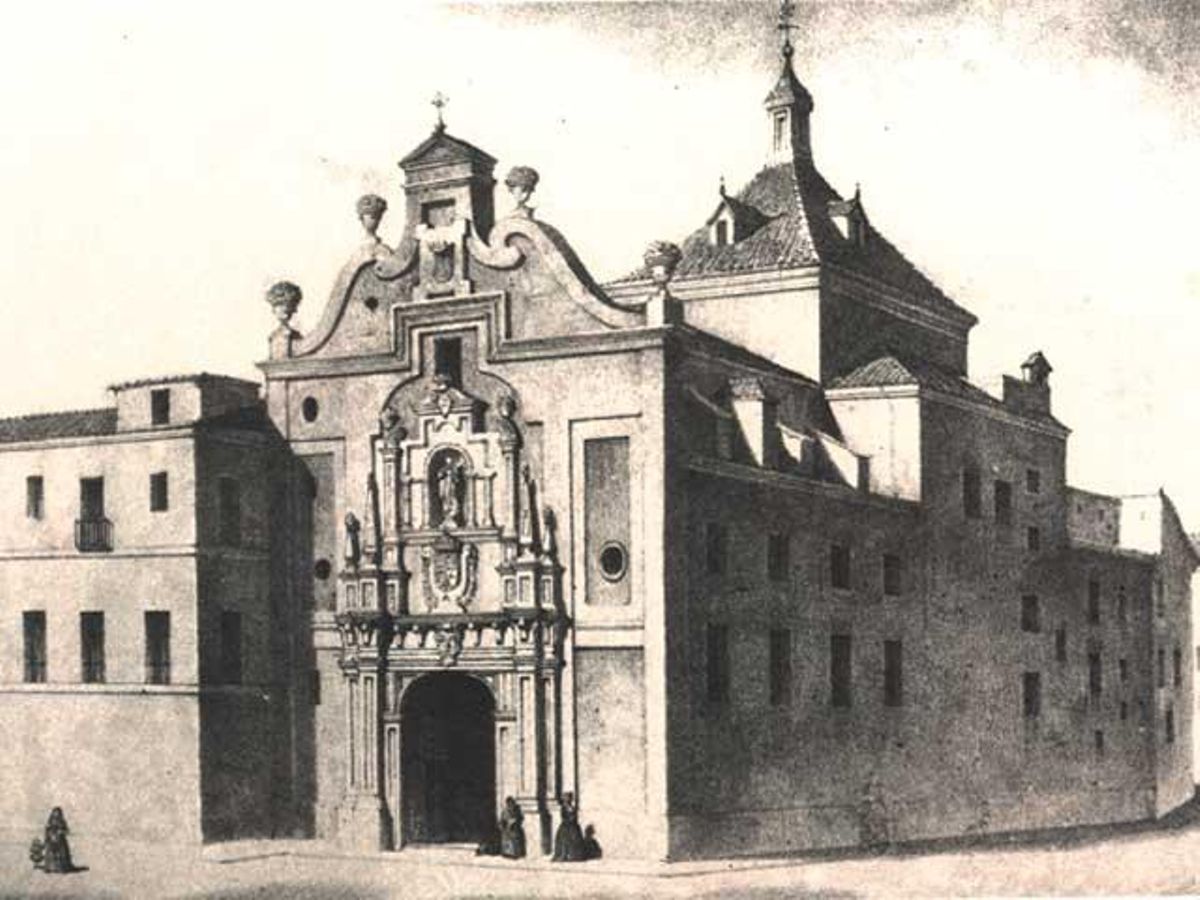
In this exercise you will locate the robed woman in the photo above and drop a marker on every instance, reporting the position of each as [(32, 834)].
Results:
[(56, 852), (568, 840), (512, 830)]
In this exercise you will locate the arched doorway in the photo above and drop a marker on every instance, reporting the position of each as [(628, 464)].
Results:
[(448, 760)]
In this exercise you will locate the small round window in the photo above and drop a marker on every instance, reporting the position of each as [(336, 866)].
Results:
[(322, 569), (371, 303), (614, 561), (310, 409)]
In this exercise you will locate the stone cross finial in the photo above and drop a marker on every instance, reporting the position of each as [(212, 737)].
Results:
[(787, 24), (439, 101)]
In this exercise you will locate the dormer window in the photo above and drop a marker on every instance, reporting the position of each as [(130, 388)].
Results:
[(721, 237)]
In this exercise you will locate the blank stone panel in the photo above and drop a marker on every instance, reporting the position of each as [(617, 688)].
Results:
[(606, 521)]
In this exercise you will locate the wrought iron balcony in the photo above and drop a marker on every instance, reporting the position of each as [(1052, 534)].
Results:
[(93, 535)]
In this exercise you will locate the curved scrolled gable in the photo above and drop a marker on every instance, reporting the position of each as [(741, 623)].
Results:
[(389, 264), (560, 260)]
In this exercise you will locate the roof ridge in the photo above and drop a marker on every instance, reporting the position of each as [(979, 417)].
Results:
[(25, 417)]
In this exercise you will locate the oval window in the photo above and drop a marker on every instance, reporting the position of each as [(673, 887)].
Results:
[(310, 409), (322, 569), (613, 561)]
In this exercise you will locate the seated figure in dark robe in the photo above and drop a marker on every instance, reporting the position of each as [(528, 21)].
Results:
[(512, 830), (56, 852), (568, 840), (591, 846)]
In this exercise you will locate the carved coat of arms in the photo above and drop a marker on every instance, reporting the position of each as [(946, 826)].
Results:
[(449, 570)]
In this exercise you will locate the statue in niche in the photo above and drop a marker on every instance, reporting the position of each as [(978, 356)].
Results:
[(451, 480), (353, 543)]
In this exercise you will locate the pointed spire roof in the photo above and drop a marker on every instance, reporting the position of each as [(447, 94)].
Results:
[(788, 90)]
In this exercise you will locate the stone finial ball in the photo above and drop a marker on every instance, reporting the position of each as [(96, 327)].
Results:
[(522, 177), (662, 257), (371, 205)]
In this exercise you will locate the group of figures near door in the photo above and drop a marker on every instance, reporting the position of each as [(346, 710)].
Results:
[(570, 843), (52, 853)]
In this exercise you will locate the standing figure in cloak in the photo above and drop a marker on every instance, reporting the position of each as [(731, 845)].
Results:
[(512, 831), (568, 840), (55, 849)]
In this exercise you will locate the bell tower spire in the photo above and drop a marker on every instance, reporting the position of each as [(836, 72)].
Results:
[(789, 104)]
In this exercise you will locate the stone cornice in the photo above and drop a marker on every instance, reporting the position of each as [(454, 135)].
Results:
[(120, 437), (530, 349), (735, 284), (883, 296), (908, 391), (1000, 415), (771, 478)]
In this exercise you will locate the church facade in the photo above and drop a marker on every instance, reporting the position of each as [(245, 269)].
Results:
[(729, 555)]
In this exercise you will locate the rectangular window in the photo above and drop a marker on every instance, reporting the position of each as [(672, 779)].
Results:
[(1123, 669), (1122, 611), (1098, 742), (1002, 502), (779, 664), (1060, 644), (893, 575), (91, 646), (778, 557), (160, 406), (722, 233), (447, 360), (780, 130), (1031, 614), (158, 492), (1177, 667), (1093, 607), (231, 647), (33, 624), (1033, 539), (1031, 689), (839, 566), (1170, 726), (716, 674), (1160, 599), (1095, 674), (971, 493), (1124, 710), (714, 548), (1033, 481), (35, 497), (158, 647), (314, 687), (1162, 668), (839, 670), (229, 503), (893, 673)]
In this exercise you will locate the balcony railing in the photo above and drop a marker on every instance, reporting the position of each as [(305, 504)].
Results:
[(93, 535)]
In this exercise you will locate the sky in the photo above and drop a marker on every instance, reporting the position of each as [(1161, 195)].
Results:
[(162, 164)]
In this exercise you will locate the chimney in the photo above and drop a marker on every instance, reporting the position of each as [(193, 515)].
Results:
[(755, 413), (1031, 392)]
